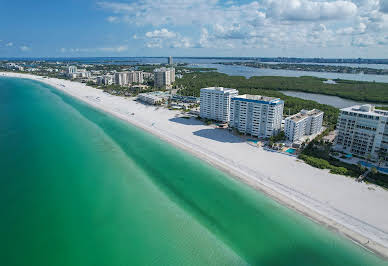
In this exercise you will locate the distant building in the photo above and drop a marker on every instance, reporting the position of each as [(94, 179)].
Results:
[(164, 77), (10, 65), (170, 62), (256, 115), (135, 77), (362, 131), (105, 80), (155, 98), (215, 103), (14, 66), (72, 75), (83, 73), (71, 69), (121, 78), (185, 99), (303, 124), (139, 87), (147, 76)]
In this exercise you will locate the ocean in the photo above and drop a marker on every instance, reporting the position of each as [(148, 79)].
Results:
[(80, 187)]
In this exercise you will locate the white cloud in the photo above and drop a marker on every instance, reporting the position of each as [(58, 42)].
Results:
[(310, 10), (9, 44), (24, 48), (115, 49), (256, 24), (112, 19), (165, 38), (163, 34)]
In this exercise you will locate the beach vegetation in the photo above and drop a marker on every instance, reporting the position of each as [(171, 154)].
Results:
[(318, 154), (278, 137)]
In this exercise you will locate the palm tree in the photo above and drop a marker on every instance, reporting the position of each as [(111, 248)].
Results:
[(381, 154), (373, 170)]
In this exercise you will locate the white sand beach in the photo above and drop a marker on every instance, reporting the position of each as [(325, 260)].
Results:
[(357, 210)]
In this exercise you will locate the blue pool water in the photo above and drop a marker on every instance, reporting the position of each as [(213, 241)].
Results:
[(291, 151), (382, 169)]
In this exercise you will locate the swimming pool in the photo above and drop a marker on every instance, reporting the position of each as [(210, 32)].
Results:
[(382, 169), (291, 151)]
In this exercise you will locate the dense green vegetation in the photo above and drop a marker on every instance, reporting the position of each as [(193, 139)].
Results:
[(317, 154), (279, 137), (355, 90), (192, 83), (178, 69), (312, 67)]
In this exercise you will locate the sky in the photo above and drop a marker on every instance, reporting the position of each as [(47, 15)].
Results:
[(202, 28)]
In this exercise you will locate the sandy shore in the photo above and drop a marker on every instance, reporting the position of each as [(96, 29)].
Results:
[(356, 210)]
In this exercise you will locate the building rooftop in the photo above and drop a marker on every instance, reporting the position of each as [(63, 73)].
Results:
[(366, 109), (156, 93), (221, 89), (304, 114), (163, 69), (257, 97)]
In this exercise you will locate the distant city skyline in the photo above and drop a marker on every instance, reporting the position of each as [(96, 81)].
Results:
[(200, 28)]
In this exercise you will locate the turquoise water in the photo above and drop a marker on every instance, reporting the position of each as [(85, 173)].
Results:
[(291, 151), (79, 187), (253, 140)]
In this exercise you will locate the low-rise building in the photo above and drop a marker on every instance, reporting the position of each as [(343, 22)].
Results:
[(155, 98), (256, 115), (362, 131), (303, 124), (185, 99), (139, 87), (14, 66), (215, 103)]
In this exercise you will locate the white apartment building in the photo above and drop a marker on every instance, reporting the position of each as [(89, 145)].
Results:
[(362, 131), (135, 77), (105, 80), (302, 124), (147, 76), (121, 78), (215, 103), (256, 115), (83, 73), (71, 69), (170, 62), (164, 77)]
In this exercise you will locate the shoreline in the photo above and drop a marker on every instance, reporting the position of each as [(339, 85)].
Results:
[(372, 237)]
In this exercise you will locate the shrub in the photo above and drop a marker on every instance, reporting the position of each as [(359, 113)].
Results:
[(316, 162), (339, 170)]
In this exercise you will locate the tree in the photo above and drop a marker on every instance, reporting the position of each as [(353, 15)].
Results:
[(361, 167), (373, 170), (381, 154), (270, 143)]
